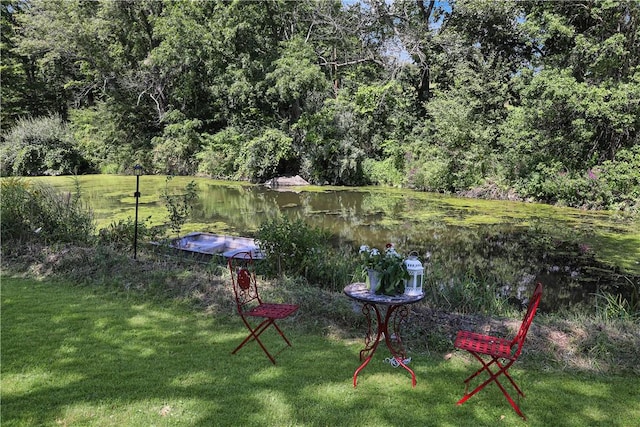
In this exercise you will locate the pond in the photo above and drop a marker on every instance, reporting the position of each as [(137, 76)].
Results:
[(510, 244)]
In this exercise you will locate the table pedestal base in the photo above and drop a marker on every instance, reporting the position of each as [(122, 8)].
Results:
[(394, 317)]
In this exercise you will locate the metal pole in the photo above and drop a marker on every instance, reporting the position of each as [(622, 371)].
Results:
[(135, 233)]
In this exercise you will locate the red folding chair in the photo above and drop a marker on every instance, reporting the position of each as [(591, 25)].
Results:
[(249, 304), (496, 351)]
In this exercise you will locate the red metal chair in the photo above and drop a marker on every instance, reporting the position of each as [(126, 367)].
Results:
[(250, 305), (498, 351)]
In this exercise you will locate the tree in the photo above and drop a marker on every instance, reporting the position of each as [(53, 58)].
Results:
[(294, 79), (26, 89), (444, 96), (598, 41)]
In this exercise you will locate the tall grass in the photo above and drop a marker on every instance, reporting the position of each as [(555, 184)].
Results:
[(40, 212), (614, 306)]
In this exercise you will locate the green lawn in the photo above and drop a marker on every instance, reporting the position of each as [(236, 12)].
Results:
[(80, 356)]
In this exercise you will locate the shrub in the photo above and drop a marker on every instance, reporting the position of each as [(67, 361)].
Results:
[(382, 172), (294, 249), (179, 206), (623, 177), (16, 195), (30, 212), (291, 246), (174, 150), (217, 158), (431, 172), (121, 234), (263, 157), (553, 184), (41, 146)]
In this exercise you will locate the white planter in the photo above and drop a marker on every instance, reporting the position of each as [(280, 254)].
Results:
[(373, 280)]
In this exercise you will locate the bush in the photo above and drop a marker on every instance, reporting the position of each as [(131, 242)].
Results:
[(291, 246), (217, 158), (294, 249), (382, 172), (41, 146), (431, 171), (30, 212), (264, 157), (583, 189), (120, 234), (623, 178), (174, 151)]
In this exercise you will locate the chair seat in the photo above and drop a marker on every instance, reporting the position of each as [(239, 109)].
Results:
[(484, 344), (272, 311)]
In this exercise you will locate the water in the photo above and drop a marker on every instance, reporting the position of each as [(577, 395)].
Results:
[(511, 244)]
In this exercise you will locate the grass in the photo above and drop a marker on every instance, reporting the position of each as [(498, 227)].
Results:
[(79, 355)]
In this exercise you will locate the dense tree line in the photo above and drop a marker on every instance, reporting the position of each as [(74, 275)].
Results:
[(530, 99)]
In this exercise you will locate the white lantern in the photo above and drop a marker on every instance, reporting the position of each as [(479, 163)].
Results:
[(413, 285)]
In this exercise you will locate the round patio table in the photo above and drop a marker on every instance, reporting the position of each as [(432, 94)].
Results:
[(396, 312)]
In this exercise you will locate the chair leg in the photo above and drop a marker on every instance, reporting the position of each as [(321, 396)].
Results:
[(493, 377), (281, 333), (257, 331), (513, 404), (485, 367), (254, 335), (513, 383)]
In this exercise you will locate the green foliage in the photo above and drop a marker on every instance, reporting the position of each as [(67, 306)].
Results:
[(332, 152), (455, 151), (174, 151), (264, 157), (12, 70), (596, 42), (104, 141), (90, 128), (382, 172), (291, 247), (296, 250), (16, 196), (432, 171), (120, 234), (622, 176), (41, 146), (464, 295), (482, 92), (218, 156), (553, 184), (601, 187), (387, 265), (613, 306), (39, 212), (179, 206), (565, 120), (296, 75)]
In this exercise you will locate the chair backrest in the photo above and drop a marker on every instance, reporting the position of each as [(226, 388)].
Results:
[(528, 319), (243, 278)]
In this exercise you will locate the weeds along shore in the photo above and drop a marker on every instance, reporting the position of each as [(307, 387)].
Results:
[(602, 341)]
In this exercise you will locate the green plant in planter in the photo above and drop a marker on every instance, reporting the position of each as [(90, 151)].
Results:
[(389, 266)]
